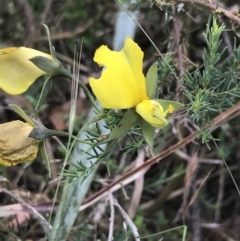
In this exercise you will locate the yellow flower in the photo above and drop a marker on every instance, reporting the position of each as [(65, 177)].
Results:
[(122, 84), (17, 72), (15, 145), (155, 115)]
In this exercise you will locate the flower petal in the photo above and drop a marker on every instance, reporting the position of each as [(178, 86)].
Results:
[(17, 72), (152, 112), (122, 83)]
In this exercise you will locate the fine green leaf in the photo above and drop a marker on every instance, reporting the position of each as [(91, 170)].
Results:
[(44, 93), (21, 112), (44, 155), (130, 119), (52, 50), (151, 81), (148, 132)]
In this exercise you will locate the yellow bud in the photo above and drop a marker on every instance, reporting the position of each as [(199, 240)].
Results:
[(15, 145)]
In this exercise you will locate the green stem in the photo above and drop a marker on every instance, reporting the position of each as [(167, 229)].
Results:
[(87, 92)]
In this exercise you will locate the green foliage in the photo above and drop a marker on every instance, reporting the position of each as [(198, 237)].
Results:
[(166, 77), (215, 87), (78, 171)]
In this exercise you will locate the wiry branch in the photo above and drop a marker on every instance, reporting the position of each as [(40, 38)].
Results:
[(214, 8), (28, 12)]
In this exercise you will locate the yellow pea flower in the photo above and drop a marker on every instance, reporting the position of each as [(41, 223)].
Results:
[(155, 115), (15, 145), (122, 84), (17, 72)]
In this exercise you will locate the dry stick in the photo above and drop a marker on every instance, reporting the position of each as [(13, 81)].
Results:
[(71, 34), (28, 12), (44, 223), (47, 9), (177, 25), (128, 220), (190, 183), (226, 115), (43, 18), (112, 214), (212, 7), (138, 187), (217, 216)]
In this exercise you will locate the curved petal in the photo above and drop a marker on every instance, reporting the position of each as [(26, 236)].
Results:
[(152, 112), (122, 83), (17, 72)]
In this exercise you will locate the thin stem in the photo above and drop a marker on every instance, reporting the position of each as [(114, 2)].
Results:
[(128, 220), (177, 24), (212, 7), (87, 92), (112, 213)]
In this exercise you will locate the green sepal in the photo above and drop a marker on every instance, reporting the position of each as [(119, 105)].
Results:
[(148, 132), (51, 67), (44, 155), (47, 65), (44, 93), (21, 112), (130, 119), (41, 133), (165, 104), (151, 81)]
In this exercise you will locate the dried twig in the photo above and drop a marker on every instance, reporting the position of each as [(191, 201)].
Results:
[(112, 214), (28, 12), (177, 25), (220, 194), (138, 187), (46, 226), (47, 8), (128, 220), (216, 9)]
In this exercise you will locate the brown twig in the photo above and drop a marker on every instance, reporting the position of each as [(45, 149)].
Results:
[(177, 25), (46, 226), (27, 9), (73, 33), (190, 184), (212, 7), (220, 196), (215, 124), (138, 188), (47, 8), (112, 213), (128, 220)]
